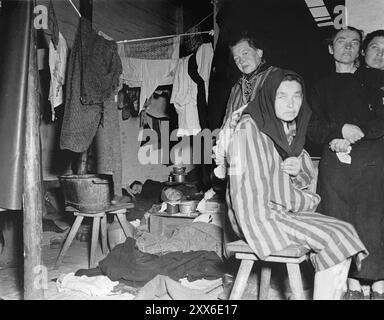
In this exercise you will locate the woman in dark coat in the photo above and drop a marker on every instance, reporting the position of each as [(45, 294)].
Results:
[(351, 170)]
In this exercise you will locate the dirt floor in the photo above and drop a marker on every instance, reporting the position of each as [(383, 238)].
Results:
[(77, 258)]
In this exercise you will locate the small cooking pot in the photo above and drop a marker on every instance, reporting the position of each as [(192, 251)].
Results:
[(179, 178), (172, 208), (188, 207)]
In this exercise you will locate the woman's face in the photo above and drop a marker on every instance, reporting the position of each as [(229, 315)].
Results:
[(374, 54), (288, 100), (345, 47), (246, 58)]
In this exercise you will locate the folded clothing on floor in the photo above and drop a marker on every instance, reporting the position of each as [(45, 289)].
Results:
[(127, 264), (93, 286)]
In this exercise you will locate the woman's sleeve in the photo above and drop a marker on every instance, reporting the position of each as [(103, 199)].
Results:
[(320, 130), (307, 174), (374, 129), (250, 189)]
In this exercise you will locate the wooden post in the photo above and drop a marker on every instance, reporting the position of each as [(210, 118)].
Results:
[(86, 11), (35, 275), (216, 7), (179, 19)]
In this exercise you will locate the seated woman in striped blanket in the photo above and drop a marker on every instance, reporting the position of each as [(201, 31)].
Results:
[(270, 206)]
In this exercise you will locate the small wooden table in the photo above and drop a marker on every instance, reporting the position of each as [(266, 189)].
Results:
[(99, 223)]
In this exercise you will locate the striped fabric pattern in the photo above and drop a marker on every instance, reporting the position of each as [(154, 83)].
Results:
[(271, 211), (239, 94)]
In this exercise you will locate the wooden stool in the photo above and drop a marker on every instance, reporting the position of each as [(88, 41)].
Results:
[(291, 256), (120, 214), (99, 220)]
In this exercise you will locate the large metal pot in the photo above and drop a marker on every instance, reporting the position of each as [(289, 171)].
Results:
[(88, 192)]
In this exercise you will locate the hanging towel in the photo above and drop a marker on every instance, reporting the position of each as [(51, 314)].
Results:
[(154, 49)]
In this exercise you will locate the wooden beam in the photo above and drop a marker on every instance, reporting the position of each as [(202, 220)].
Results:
[(179, 19), (216, 8), (86, 9), (32, 196)]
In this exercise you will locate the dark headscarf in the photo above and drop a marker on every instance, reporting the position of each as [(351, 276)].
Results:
[(262, 111)]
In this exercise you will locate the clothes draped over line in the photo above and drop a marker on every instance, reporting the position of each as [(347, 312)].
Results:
[(147, 74), (94, 70), (167, 48), (185, 90)]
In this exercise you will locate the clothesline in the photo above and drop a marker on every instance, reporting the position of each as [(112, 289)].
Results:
[(74, 7), (211, 32)]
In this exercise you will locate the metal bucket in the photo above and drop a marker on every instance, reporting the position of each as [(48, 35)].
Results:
[(87, 192)]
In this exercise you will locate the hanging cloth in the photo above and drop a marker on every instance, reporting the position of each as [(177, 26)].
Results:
[(158, 49), (93, 74), (57, 65), (16, 23), (184, 93)]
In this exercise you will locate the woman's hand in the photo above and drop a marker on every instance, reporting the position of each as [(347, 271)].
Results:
[(292, 166), (351, 133), (340, 145)]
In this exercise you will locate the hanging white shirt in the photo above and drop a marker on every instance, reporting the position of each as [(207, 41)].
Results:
[(57, 66), (184, 92)]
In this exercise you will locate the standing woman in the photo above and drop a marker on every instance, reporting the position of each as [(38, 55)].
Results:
[(248, 53), (351, 169), (371, 74)]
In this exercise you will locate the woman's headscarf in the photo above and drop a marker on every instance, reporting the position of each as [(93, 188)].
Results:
[(262, 110)]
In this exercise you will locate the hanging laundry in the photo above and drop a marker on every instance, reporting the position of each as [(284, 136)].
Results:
[(93, 74), (108, 146), (128, 101), (158, 103), (147, 74), (57, 65), (154, 49), (201, 93), (53, 26), (184, 94), (191, 43), (152, 123)]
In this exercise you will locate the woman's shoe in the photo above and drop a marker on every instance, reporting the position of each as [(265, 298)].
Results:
[(353, 295)]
